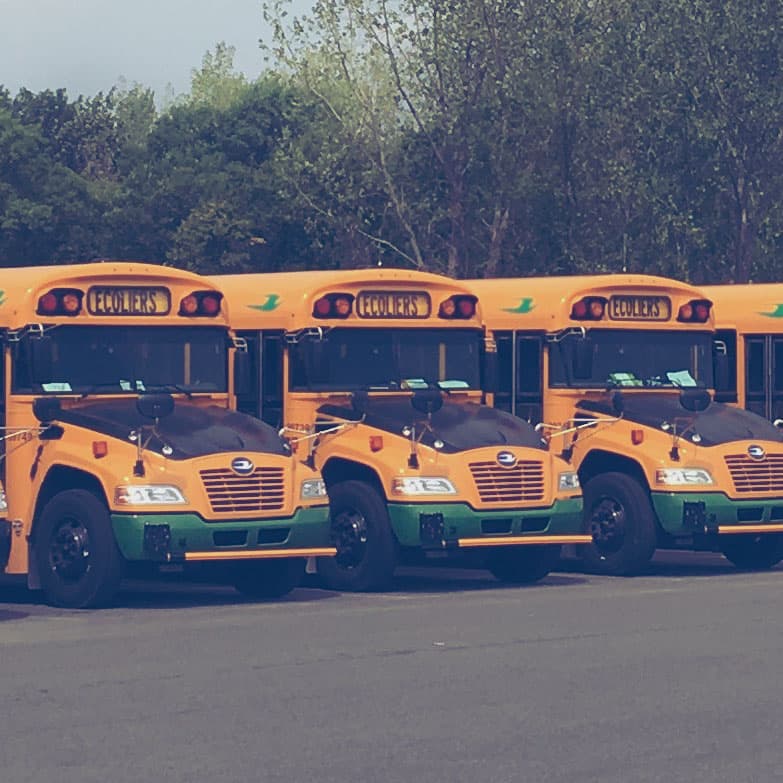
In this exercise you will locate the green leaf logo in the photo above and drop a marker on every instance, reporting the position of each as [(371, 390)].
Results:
[(272, 301), (524, 306), (776, 313)]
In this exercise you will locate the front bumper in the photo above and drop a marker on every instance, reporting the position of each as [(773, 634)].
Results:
[(714, 513), (176, 538), (457, 525)]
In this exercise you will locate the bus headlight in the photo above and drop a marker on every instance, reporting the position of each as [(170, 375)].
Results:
[(422, 485), (313, 488), (568, 481), (677, 477), (148, 495)]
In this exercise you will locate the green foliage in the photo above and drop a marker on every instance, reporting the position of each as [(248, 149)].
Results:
[(475, 137)]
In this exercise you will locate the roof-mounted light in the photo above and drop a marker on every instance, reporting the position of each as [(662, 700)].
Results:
[(459, 306), (697, 311), (589, 308), (201, 304), (61, 301), (333, 306)]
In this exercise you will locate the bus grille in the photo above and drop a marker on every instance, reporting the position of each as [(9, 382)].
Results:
[(496, 484), (750, 475), (262, 490)]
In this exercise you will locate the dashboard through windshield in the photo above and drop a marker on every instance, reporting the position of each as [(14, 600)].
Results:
[(628, 358), (386, 359), (115, 359)]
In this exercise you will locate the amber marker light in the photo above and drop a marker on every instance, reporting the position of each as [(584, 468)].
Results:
[(376, 442), (189, 305), (100, 448), (637, 437)]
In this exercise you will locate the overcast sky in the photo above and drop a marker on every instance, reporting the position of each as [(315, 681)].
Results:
[(87, 46)]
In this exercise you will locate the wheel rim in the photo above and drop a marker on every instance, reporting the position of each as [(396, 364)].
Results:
[(349, 533), (607, 525), (69, 550)]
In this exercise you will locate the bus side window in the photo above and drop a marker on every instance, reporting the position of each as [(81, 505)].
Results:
[(725, 348), (505, 372), (777, 379), (529, 403), (272, 378), (755, 375)]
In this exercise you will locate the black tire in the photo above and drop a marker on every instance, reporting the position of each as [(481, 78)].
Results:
[(621, 519), (78, 561), (268, 578), (361, 531), (522, 564), (753, 553)]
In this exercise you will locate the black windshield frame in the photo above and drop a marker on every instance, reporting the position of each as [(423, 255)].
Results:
[(381, 359), (634, 358), (100, 360)]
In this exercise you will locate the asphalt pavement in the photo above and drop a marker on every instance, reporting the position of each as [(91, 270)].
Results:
[(670, 676)]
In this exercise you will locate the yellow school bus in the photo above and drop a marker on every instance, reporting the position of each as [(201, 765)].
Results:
[(376, 376), (120, 447), (749, 323), (626, 363)]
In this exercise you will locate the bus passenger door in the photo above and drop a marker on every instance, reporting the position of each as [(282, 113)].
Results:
[(764, 375), (263, 396), (520, 377)]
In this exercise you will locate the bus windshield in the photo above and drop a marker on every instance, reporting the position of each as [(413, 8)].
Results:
[(386, 359), (626, 358), (115, 359)]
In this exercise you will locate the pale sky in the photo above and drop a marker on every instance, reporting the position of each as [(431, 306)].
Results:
[(87, 46)]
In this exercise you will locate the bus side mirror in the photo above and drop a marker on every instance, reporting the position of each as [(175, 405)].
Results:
[(46, 409), (242, 384), (489, 372), (155, 406), (41, 359), (583, 360)]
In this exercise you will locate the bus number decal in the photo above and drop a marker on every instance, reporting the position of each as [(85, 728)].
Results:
[(393, 304), (631, 307), (128, 300)]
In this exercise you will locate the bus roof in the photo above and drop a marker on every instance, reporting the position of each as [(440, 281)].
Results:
[(752, 307), (544, 303), (22, 287), (284, 300)]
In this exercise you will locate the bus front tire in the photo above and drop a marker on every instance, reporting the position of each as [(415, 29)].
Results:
[(268, 578), (78, 561), (361, 531), (753, 553), (522, 564), (621, 519)]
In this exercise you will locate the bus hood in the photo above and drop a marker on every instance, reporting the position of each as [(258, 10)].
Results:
[(460, 426), (717, 424), (190, 431)]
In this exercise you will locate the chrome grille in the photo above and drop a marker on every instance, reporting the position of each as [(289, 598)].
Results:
[(262, 490), (496, 484), (750, 475)]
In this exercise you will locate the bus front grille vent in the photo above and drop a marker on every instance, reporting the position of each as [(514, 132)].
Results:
[(750, 475), (496, 484), (262, 490)]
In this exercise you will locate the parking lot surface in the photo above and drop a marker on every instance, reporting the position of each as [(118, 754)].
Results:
[(674, 675)]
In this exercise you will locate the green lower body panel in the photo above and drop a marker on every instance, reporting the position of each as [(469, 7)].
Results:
[(179, 537), (688, 513), (438, 525)]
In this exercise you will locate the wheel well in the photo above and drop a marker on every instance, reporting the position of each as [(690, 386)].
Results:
[(62, 477), (338, 469), (597, 462)]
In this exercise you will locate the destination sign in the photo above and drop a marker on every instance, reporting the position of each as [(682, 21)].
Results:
[(393, 304), (632, 307), (128, 300)]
